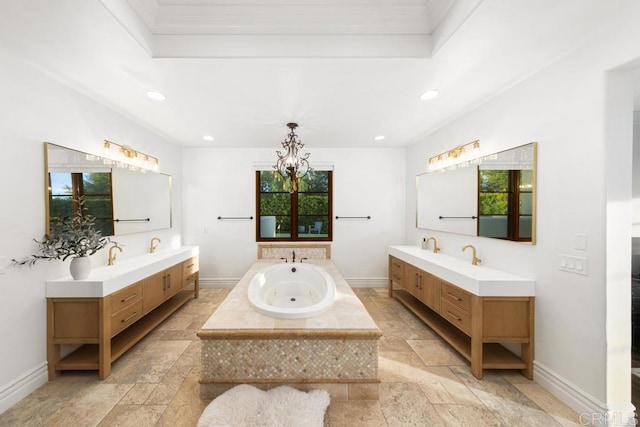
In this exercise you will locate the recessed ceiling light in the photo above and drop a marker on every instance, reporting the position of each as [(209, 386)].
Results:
[(379, 138), (207, 137), (430, 94), (155, 95)]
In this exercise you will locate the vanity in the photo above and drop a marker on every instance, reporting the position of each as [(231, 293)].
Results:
[(115, 307), (474, 308)]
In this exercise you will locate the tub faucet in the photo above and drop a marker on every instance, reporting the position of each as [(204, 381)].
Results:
[(294, 256), (474, 260), (112, 256)]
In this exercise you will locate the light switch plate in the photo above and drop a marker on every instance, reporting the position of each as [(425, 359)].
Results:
[(4, 263), (573, 264)]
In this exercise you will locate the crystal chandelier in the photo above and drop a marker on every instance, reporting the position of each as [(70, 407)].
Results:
[(289, 165)]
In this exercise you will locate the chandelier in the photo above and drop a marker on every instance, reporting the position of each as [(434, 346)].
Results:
[(289, 165)]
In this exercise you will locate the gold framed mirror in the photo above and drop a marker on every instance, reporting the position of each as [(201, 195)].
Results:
[(123, 201)]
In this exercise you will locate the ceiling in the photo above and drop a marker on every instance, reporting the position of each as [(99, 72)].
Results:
[(344, 70)]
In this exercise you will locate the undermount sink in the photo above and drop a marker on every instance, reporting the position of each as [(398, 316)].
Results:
[(476, 279), (105, 280)]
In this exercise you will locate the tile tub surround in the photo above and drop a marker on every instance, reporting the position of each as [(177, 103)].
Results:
[(240, 345), (277, 251)]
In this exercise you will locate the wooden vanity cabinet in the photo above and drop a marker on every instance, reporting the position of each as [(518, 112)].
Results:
[(106, 327), (162, 286), (475, 326)]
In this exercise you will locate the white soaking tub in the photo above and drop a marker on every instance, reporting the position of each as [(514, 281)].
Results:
[(292, 290)]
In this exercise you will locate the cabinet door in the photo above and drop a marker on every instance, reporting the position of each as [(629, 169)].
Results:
[(414, 280), (153, 289), (431, 291), (174, 282)]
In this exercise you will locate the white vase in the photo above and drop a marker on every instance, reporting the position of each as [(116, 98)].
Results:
[(80, 267)]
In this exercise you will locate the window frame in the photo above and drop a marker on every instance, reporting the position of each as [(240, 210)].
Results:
[(513, 214), (293, 215)]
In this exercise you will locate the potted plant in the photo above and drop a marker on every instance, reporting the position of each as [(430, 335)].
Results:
[(73, 237)]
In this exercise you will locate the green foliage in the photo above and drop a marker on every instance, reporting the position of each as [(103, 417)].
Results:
[(71, 236), (96, 189), (494, 180), (494, 187), (494, 203)]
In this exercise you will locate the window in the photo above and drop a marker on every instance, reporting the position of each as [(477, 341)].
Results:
[(68, 187), (505, 204), (301, 215)]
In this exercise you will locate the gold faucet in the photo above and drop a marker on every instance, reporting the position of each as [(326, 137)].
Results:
[(152, 247), (475, 260), (112, 256), (436, 249)]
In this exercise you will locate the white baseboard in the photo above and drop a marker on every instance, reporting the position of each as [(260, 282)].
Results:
[(591, 411), (21, 387), (218, 283), (367, 282), (354, 282)]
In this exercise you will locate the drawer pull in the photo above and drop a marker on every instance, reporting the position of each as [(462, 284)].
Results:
[(134, 314), (453, 296), (190, 265), (129, 297), (168, 281), (454, 316)]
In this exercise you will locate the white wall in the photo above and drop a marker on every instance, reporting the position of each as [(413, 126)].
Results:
[(221, 182), (581, 123), (35, 108)]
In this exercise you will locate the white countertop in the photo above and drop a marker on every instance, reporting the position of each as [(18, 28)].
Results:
[(476, 279), (105, 280)]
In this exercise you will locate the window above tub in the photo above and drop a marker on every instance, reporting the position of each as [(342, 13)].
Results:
[(301, 215)]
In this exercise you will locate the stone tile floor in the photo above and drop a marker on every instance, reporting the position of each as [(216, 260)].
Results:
[(423, 382)]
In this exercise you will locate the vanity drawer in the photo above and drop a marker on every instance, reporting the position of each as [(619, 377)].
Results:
[(190, 279), (190, 267), (126, 317), (459, 318), (125, 297), (456, 296), (397, 270)]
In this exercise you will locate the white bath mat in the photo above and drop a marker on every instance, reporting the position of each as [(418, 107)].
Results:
[(245, 405)]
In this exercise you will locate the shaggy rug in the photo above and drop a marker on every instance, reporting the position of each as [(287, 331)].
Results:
[(245, 405)]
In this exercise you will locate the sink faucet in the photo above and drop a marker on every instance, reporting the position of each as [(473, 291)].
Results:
[(436, 249), (474, 260), (294, 256), (112, 256), (152, 247)]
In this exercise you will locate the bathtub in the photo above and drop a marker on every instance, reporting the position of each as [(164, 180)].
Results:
[(292, 290)]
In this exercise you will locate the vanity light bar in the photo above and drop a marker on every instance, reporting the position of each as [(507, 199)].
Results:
[(463, 153), (127, 157)]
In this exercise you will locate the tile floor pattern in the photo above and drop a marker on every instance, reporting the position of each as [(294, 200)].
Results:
[(423, 382)]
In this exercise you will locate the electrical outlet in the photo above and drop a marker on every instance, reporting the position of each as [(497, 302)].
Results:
[(573, 264)]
